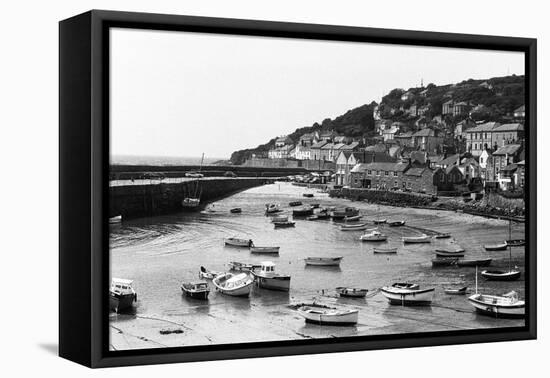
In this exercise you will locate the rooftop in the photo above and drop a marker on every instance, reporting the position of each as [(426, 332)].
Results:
[(416, 171), (489, 126), (509, 149), (509, 127)]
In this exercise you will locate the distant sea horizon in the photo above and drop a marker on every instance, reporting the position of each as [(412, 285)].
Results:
[(162, 160)]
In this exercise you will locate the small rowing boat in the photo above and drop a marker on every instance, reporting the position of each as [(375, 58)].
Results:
[(408, 294), (474, 262), (242, 267), (115, 219), (279, 218), (379, 221), (496, 247), (447, 252), (396, 223), (458, 291), (236, 210), (208, 274), (444, 261), (328, 315), (345, 212), (236, 285), (351, 292), (442, 235), (384, 250), (315, 205), (269, 250), (373, 236), (308, 195), (284, 224), (417, 239), (501, 275), (515, 242), (303, 211), (324, 261), (353, 227), (196, 290), (353, 219), (236, 242), (295, 203)]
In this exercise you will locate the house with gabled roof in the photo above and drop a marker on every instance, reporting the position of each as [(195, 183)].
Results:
[(509, 133), (480, 137), (316, 150), (427, 140)]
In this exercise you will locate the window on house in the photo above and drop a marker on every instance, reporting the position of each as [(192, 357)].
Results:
[(369, 172), (386, 173)]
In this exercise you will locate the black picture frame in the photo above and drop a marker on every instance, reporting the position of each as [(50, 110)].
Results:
[(83, 196)]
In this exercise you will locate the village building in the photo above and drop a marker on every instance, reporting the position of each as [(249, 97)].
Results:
[(283, 141), (506, 155), (388, 134), (404, 139), (512, 177), (282, 152), (480, 138), (462, 126), (520, 112), (427, 140), (509, 133), (378, 175), (455, 109), (315, 150), (420, 180)]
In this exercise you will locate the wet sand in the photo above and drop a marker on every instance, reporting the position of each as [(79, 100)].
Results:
[(267, 316)]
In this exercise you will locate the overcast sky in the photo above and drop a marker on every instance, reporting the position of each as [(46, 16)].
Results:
[(182, 94)]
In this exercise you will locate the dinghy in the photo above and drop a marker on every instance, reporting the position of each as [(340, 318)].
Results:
[(266, 278), (354, 227), (501, 275), (236, 242), (303, 211), (474, 262), (238, 285), (459, 291), (308, 195), (270, 250), (236, 210), (295, 203), (242, 267), (325, 315), (284, 224), (345, 212), (379, 221), (442, 235), (408, 294), (417, 239), (351, 292), (324, 261), (396, 223), (115, 219), (496, 247), (373, 236), (384, 250), (444, 261), (279, 218), (352, 219), (208, 274), (515, 242), (315, 205), (449, 252), (196, 290)]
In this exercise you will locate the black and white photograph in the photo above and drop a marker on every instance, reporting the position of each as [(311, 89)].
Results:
[(270, 189)]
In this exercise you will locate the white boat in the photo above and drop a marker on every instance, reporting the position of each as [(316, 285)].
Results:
[(496, 247), (236, 242), (208, 274), (351, 292), (352, 219), (196, 290), (115, 219), (236, 285), (408, 294), (324, 261), (266, 278), (121, 294), (385, 250), (397, 223), (501, 275), (325, 315), (192, 201), (264, 249), (272, 208), (279, 218), (417, 239), (242, 267), (449, 252), (373, 236), (505, 306), (442, 235), (379, 221), (354, 227)]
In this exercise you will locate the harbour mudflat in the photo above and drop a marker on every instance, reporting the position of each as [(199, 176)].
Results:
[(159, 253)]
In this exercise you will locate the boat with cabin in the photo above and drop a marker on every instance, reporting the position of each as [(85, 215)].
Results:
[(325, 315), (351, 292), (272, 208), (196, 290), (265, 250), (417, 239), (266, 278), (121, 294), (373, 236), (324, 261), (407, 294), (237, 242), (236, 285)]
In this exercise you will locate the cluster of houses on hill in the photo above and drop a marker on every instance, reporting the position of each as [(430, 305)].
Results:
[(492, 155)]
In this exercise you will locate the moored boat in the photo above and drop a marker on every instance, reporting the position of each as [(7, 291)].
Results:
[(308, 195), (444, 261), (315, 205), (373, 236), (417, 239), (236, 285), (354, 227), (408, 294), (236, 242), (379, 221), (457, 291), (396, 223), (496, 247), (515, 242), (303, 211), (295, 203), (279, 218), (351, 292), (208, 274), (272, 208), (353, 219), (236, 210), (115, 219), (266, 278), (328, 315), (284, 224), (501, 275), (384, 250), (505, 306), (324, 261), (474, 262), (196, 290), (242, 267), (449, 252), (442, 235), (121, 294), (271, 250), (345, 212)]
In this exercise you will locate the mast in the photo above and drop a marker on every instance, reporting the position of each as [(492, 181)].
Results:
[(198, 179), (476, 278), (509, 246)]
